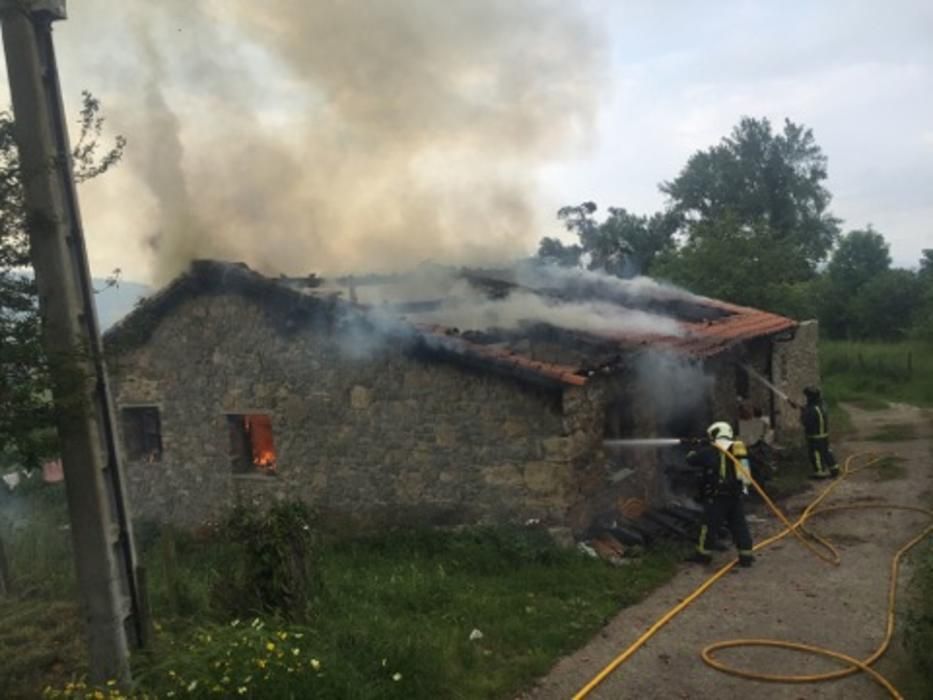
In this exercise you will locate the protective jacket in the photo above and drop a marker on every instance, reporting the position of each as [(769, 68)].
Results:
[(719, 475), (815, 420)]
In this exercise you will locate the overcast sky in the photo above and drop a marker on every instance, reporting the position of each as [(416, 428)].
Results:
[(675, 77)]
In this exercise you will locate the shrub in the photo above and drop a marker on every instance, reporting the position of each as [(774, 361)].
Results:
[(277, 572)]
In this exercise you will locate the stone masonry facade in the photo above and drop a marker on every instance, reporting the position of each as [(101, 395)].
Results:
[(795, 364), (367, 437), (376, 431)]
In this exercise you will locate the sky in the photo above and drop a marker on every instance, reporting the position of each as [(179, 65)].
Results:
[(458, 133)]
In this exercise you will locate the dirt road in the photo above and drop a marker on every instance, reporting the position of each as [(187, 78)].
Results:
[(788, 595)]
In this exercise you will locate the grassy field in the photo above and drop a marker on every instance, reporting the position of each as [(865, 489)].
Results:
[(872, 374), (391, 616)]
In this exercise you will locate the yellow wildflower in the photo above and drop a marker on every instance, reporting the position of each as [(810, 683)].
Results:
[(315, 664), (241, 690), (396, 676), (282, 635), (261, 663), (270, 646), (295, 651)]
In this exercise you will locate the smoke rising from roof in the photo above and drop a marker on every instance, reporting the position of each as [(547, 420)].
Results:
[(528, 294), (334, 136), (465, 307)]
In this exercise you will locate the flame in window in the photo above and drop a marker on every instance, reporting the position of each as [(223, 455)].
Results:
[(259, 430)]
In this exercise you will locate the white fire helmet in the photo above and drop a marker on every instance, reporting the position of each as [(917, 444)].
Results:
[(720, 430)]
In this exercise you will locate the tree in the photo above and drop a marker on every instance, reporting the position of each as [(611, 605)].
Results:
[(771, 184), (859, 257), (923, 324), (725, 261), (27, 431), (624, 244), (926, 266), (885, 305)]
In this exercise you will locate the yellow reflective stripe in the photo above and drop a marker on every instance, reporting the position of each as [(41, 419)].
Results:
[(819, 412), (701, 545), (722, 466), (821, 435), (819, 462)]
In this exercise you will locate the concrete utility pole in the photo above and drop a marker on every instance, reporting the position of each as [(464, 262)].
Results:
[(100, 525)]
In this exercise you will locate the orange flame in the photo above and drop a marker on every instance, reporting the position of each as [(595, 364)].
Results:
[(259, 429)]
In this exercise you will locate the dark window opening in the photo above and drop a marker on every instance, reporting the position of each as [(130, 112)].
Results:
[(252, 449), (142, 433)]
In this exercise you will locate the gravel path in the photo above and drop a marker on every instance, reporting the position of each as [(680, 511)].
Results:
[(789, 594)]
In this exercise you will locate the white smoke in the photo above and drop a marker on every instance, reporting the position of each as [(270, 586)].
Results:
[(468, 308), (311, 135)]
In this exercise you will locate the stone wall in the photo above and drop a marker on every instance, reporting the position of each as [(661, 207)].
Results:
[(610, 478), (367, 433), (795, 364)]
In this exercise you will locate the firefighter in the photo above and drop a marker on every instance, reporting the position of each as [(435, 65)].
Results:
[(815, 421), (722, 487)]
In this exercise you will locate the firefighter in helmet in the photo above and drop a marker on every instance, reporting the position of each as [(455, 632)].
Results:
[(722, 487), (815, 421)]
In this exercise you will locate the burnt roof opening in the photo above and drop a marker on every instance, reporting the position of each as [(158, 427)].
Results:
[(660, 300)]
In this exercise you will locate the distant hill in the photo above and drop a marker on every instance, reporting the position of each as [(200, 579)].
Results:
[(113, 303)]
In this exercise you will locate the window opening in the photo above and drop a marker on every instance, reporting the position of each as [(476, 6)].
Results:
[(142, 433), (252, 448)]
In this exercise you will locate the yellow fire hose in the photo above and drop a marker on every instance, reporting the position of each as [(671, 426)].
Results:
[(825, 551)]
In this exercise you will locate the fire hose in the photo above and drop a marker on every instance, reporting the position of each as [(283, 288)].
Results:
[(822, 549)]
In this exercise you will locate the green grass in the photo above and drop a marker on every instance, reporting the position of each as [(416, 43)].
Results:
[(894, 432), (872, 374), (870, 403), (915, 676), (41, 644), (840, 420), (410, 598)]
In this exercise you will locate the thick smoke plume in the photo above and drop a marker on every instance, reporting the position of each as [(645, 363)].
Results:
[(302, 135)]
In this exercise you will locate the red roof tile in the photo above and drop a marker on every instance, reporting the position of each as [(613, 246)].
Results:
[(699, 339), (444, 338)]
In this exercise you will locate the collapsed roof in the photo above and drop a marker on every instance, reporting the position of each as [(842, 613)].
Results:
[(556, 325)]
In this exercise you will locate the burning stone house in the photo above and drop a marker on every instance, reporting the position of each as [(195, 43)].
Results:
[(442, 397)]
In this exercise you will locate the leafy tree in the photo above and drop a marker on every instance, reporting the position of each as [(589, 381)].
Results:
[(26, 417), (624, 244), (885, 305), (771, 184), (926, 266), (923, 324), (726, 261), (859, 257)]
